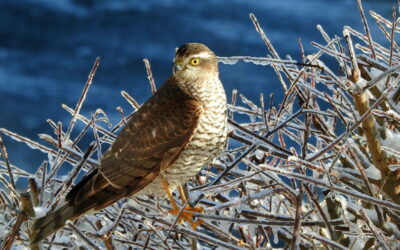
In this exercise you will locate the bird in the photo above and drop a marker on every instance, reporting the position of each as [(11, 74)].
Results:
[(167, 141)]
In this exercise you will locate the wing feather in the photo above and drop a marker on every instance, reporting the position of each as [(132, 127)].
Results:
[(153, 137)]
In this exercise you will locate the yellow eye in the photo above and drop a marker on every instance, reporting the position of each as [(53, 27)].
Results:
[(195, 61)]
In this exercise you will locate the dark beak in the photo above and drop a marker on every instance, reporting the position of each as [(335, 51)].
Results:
[(177, 67)]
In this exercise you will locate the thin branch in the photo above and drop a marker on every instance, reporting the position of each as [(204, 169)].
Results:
[(82, 236), (150, 75), (366, 28), (4, 154), (82, 99)]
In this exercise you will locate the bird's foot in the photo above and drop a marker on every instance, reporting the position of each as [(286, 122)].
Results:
[(187, 215)]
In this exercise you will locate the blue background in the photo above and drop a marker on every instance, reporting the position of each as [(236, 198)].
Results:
[(48, 47)]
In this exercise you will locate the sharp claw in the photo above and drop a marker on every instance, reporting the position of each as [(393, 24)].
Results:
[(187, 215)]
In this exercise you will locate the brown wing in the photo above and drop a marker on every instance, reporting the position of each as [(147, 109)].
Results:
[(153, 137), (150, 142)]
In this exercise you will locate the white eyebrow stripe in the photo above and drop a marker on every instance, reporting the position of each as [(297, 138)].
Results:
[(203, 55)]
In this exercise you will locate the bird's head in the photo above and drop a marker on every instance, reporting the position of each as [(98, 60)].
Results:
[(193, 61)]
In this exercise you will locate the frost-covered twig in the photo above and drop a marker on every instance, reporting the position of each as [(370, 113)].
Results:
[(130, 99), (82, 98), (82, 236), (4, 155), (150, 75), (366, 27), (351, 193)]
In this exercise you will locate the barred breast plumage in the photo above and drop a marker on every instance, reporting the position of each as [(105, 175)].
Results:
[(208, 139)]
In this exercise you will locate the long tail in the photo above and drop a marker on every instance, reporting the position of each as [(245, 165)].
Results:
[(91, 194), (50, 223), (44, 226)]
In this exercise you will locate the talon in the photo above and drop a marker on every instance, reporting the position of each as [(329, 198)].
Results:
[(195, 209), (241, 243), (196, 223), (187, 213)]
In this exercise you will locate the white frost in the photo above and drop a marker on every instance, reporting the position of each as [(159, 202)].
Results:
[(392, 140), (19, 247), (41, 211), (373, 173), (227, 61), (259, 154), (258, 62)]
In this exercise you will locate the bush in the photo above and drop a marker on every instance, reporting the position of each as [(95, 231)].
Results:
[(319, 170)]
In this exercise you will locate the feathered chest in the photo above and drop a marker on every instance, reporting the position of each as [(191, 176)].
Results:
[(206, 142), (210, 134), (212, 125)]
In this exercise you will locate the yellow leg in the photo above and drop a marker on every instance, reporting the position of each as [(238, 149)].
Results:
[(184, 200), (187, 212), (182, 194), (170, 198)]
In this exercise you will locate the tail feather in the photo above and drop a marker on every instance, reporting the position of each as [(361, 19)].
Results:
[(50, 223), (44, 226), (92, 193)]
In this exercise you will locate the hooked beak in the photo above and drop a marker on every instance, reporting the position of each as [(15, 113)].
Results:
[(177, 67)]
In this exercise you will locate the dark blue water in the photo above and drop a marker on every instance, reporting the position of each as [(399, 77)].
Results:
[(47, 48)]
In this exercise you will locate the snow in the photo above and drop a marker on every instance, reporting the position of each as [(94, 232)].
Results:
[(347, 217), (375, 73), (228, 61), (392, 139), (275, 234), (194, 195), (4, 231), (40, 211), (19, 247), (261, 61), (394, 167), (258, 62), (393, 228), (373, 172), (259, 154)]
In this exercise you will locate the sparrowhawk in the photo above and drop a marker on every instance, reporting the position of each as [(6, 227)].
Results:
[(170, 137)]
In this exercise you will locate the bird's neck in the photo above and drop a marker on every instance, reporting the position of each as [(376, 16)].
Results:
[(204, 88)]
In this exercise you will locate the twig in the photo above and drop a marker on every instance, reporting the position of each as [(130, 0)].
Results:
[(82, 99), (34, 192), (354, 126), (294, 244), (366, 28), (384, 244), (105, 237), (188, 233), (27, 211), (4, 154), (130, 99), (262, 139), (150, 75), (334, 244), (75, 170), (366, 182), (82, 236), (356, 71), (351, 193)]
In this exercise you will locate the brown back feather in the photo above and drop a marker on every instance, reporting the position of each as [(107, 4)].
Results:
[(153, 137)]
